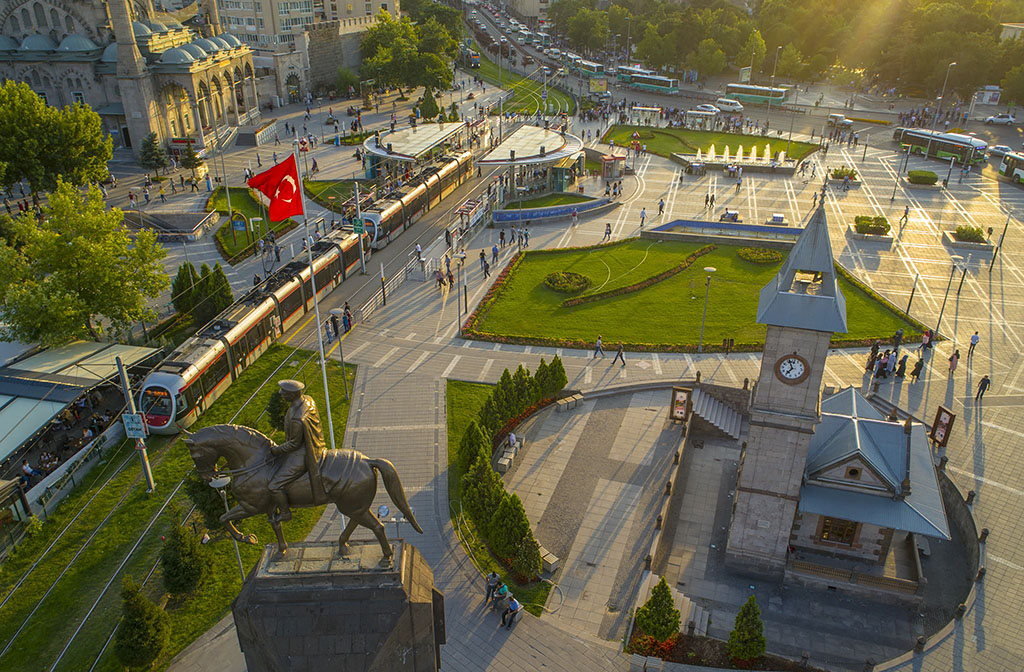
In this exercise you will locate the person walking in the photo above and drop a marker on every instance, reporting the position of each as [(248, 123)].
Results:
[(575, 216), (483, 259), (643, 216), (607, 232), (916, 371), (163, 198), (661, 206), (707, 199), (901, 369), (598, 348), (983, 385), (906, 215), (974, 343), (501, 238), (954, 359), (619, 355), (897, 339), (492, 585), (487, 271), (494, 254), (712, 206)]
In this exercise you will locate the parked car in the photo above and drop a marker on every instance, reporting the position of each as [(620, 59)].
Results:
[(528, 60), (1001, 118), (728, 105), (999, 150), (707, 107)]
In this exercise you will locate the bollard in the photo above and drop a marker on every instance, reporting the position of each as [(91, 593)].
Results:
[(675, 459), (746, 383), (647, 562), (804, 657), (691, 627), (983, 536), (961, 609), (668, 487), (942, 463), (657, 522), (698, 377), (970, 497), (919, 646), (981, 573)]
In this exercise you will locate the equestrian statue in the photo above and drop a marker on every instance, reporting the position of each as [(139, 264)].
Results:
[(270, 478)]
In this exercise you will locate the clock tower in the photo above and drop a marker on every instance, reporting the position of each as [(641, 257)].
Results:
[(802, 307)]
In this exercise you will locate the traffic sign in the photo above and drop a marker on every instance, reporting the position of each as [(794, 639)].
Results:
[(358, 226), (134, 427), (544, 94)]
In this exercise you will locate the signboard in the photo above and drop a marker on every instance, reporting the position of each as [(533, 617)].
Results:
[(357, 226), (544, 94), (680, 403), (238, 222), (942, 426), (744, 74), (134, 427), (598, 85)]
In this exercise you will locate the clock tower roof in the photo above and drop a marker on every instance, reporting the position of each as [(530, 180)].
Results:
[(804, 294)]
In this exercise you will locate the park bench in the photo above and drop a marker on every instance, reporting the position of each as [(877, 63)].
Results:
[(548, 559), (508, 456), (730, 216), (777, 219), (571, 401)]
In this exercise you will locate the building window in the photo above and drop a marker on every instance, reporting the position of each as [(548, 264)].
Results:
[(853, 473), (42, 94), (40, 16), (384, 6), (838, 531), (78, 97)]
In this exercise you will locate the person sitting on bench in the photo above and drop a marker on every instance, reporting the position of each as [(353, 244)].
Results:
[(511, 612)]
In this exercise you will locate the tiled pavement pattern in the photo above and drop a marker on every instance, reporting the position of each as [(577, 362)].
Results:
[(982, 451)]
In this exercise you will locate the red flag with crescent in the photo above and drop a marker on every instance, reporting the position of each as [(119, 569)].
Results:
[(281, 185)]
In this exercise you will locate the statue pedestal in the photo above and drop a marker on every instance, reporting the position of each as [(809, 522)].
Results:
[(313, 609)]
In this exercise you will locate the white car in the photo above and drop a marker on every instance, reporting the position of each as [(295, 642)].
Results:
[(1001, 118), (999, 150), (707, 107)]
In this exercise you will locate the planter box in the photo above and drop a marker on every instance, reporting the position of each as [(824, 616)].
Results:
[(949, 238), (851, 231), (907, 183), (838, 182)]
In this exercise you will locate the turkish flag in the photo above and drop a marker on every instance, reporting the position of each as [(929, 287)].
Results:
[(281, 185)]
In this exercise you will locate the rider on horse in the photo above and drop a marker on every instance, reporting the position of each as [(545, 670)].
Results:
[(302, 450)]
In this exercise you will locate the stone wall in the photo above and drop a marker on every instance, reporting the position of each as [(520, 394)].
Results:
[(869, 543), (331, 45)]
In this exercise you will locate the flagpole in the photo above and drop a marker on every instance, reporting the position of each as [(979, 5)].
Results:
[(316, 303)]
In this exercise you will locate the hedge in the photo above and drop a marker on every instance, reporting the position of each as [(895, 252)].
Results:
[(843, 172), (970, 234), (759, 255), (922, 177), (643, 284), (875, 226), (567, 282)]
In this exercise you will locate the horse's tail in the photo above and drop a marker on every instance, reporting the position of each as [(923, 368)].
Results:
[(396, 492)]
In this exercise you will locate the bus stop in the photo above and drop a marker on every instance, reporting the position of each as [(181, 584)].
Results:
[(400, 154), (645, 116), (539, 161)]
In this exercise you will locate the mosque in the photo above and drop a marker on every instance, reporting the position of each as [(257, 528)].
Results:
[(142, 75)]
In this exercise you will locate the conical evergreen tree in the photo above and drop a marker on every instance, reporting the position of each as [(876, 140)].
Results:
[(183, 560), (474, 443), (542, 380), (220, 289), (522, 381), (183, 288), (746, 641), (428, 109), (658, 617), (203, 307), (152, 154), (526, 563), (489, 415), (508, 527), (190, 159), (506, 397), (558, 377), (482, 492), (143, 632)]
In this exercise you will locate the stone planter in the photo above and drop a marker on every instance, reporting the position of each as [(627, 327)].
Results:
[(851, 231), (838, 183), (907, 183), (949, 238)]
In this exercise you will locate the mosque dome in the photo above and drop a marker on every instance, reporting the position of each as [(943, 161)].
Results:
[(140, 29), (156, 26), (38, 43), (220, 42), (7, 44), (231, 40), (75, 42), (176, 56), (110, 53), (207, 45), (194, 50)]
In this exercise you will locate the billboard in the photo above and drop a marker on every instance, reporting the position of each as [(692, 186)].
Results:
[(598, 85), (744, 75)]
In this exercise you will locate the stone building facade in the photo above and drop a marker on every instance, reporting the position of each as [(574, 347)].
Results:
[(329, 45)]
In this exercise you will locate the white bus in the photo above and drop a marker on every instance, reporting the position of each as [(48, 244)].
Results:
[(1012, 167)]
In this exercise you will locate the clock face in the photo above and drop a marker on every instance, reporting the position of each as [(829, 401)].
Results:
[(792, 369)]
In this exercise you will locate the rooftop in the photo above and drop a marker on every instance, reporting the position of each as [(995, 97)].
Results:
[(410, 144), (532, 145)]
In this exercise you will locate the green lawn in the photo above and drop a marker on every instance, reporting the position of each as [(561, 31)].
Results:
[(664, 316), (464, 403), (235, 246), (548, 201), (131, 509), (666, 141), (526, 92), (321, 191)]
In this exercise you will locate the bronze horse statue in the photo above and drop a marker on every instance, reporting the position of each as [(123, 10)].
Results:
[(349, 479)]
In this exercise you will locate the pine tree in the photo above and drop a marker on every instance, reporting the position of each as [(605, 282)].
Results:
[(428, 108), (152, 154), (542, 380), (220, 289), (506, 393), (474, 442), (658, 617), (526, 562), (482, 492), (203, 307), (190, 159), (508, 527), (143, 633), (489, 416), (207, 501), (183, 288), (522, 382), (558, 377), (746, 641), (183, 560)]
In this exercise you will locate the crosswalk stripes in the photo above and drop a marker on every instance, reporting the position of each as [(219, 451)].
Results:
[(419, 360), (588, 376), (657, 363), (483, 372), (380, 362), (451, 365), (359, 348)]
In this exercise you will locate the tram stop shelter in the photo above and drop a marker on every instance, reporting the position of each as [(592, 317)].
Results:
[(405, 152), (645, 116), (539, 161)]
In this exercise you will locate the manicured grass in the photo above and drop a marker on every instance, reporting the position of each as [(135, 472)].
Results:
[(464, 403), (321, 191), (666, 141), (663, 316), (549, 201), (592, 166), (131, 509), (526, 92), (235, 246)]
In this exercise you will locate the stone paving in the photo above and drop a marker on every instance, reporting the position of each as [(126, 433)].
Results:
[(409, 349)]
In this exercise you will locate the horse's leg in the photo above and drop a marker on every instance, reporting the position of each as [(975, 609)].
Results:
[(282, 545), (229, 518), (345, 534), (366, 518)]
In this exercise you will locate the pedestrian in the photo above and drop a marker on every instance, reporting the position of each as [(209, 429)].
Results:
[(181, 181), (983, 385), (451, 278), (607, 232), (255, 279), (419, 252), (872, 357), (526, 235), (501, 238), (494, 254), (174, 189), (163, 198), (334, 326), (661, 206), (620, 355), (483, 259), (511, 611), (954, 359), (487, 270), (712, 206), (974, 342), (145, 194), (575, 216), (439, 277), (492, 585), (897, 339), (906, 215), (925, 339), (643, 216), (598, 348), (890, 365), (707, 199), (259, 163), (916, 371), (901, 369)]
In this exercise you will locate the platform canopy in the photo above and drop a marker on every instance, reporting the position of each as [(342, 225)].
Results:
[(533, 146), (411, 144)]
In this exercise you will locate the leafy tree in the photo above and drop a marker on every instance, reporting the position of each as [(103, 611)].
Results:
[(152, 154), (206, 499), (508, 527), (77, 266), (588, 30), (434, 38), (453, 112), (1013, 85), (183, 560), (746, 641), (183, 287), (424, 11), (190, 159), (558, 377), (525, 561), (561, 12), (144, 631), (658, 617), (45, 145), (619, 19), (756, 49), (474, 442), (709, 60), (346, 78), (790, 62), (482, 492), (428, 108)]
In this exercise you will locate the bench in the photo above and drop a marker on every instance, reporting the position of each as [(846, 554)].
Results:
[(730, 216), (571, 401), (549, 560)]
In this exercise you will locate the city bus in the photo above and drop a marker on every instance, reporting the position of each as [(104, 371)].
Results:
[(571, 61), (590, 69), (626, 73), (748, 93), (655, 83), (964, 148), (1013, 167), (543, 39), (526, 37)]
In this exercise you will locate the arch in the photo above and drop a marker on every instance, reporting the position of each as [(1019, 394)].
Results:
[(15, 27), (37, 9), (174, 105), (54, 36), (68, 23), (202, 102), (294, 88), (36, 81), (54, 18), (248, 70), (26, 20)]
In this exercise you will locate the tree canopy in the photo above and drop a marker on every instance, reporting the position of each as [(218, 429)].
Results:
[(75, 267), (401, 52)]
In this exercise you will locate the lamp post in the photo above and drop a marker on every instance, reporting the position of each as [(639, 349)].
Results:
[(938, 108), (338, 313), (220, 484), (707, 290), (1000, 245), (956, 262), (768, 115), (963, 276), (899, 168), (629, 24)]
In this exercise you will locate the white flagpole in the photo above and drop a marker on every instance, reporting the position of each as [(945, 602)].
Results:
[(316, 303)]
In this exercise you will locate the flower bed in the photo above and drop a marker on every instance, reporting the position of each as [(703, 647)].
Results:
[(874, 226), (709, 652), (643, 284), (567, 282), (759, 255)]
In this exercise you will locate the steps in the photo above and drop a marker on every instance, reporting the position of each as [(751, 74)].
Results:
[(717, 414), (688, 609)]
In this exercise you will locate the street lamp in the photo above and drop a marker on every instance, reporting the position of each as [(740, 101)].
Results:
[(707, 290), (956, 262), (629, 24), (768, 115), (220, 484), (938, 108), (340, 314)]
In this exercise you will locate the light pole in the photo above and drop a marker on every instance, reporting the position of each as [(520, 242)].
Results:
[(899, 169), (707, 290), (768, 115), (220, 484), (956, 262), (339, 314), (629, 24), (938, 108), (963, 276), (1000, 245)]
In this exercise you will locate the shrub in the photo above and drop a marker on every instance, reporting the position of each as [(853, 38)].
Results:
[(843, 172), (474, 443), (658, 617), (567, 282), (206, 499), (759, 255), (525, 562), (482, 491), (508, 527), (746, 641), (542, 379), (970, 234), (143, 633), (922, 177), (557, 375), (877, 226), (183, 560)]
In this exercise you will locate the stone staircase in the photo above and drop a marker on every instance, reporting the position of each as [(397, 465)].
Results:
[(715, 413), (688, 609)]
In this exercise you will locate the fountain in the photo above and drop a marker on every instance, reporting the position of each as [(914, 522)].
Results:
[(725, 155), (753, 154), (782, 157), (767, 152), (711, 153), (739, 154), (698, 155)]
